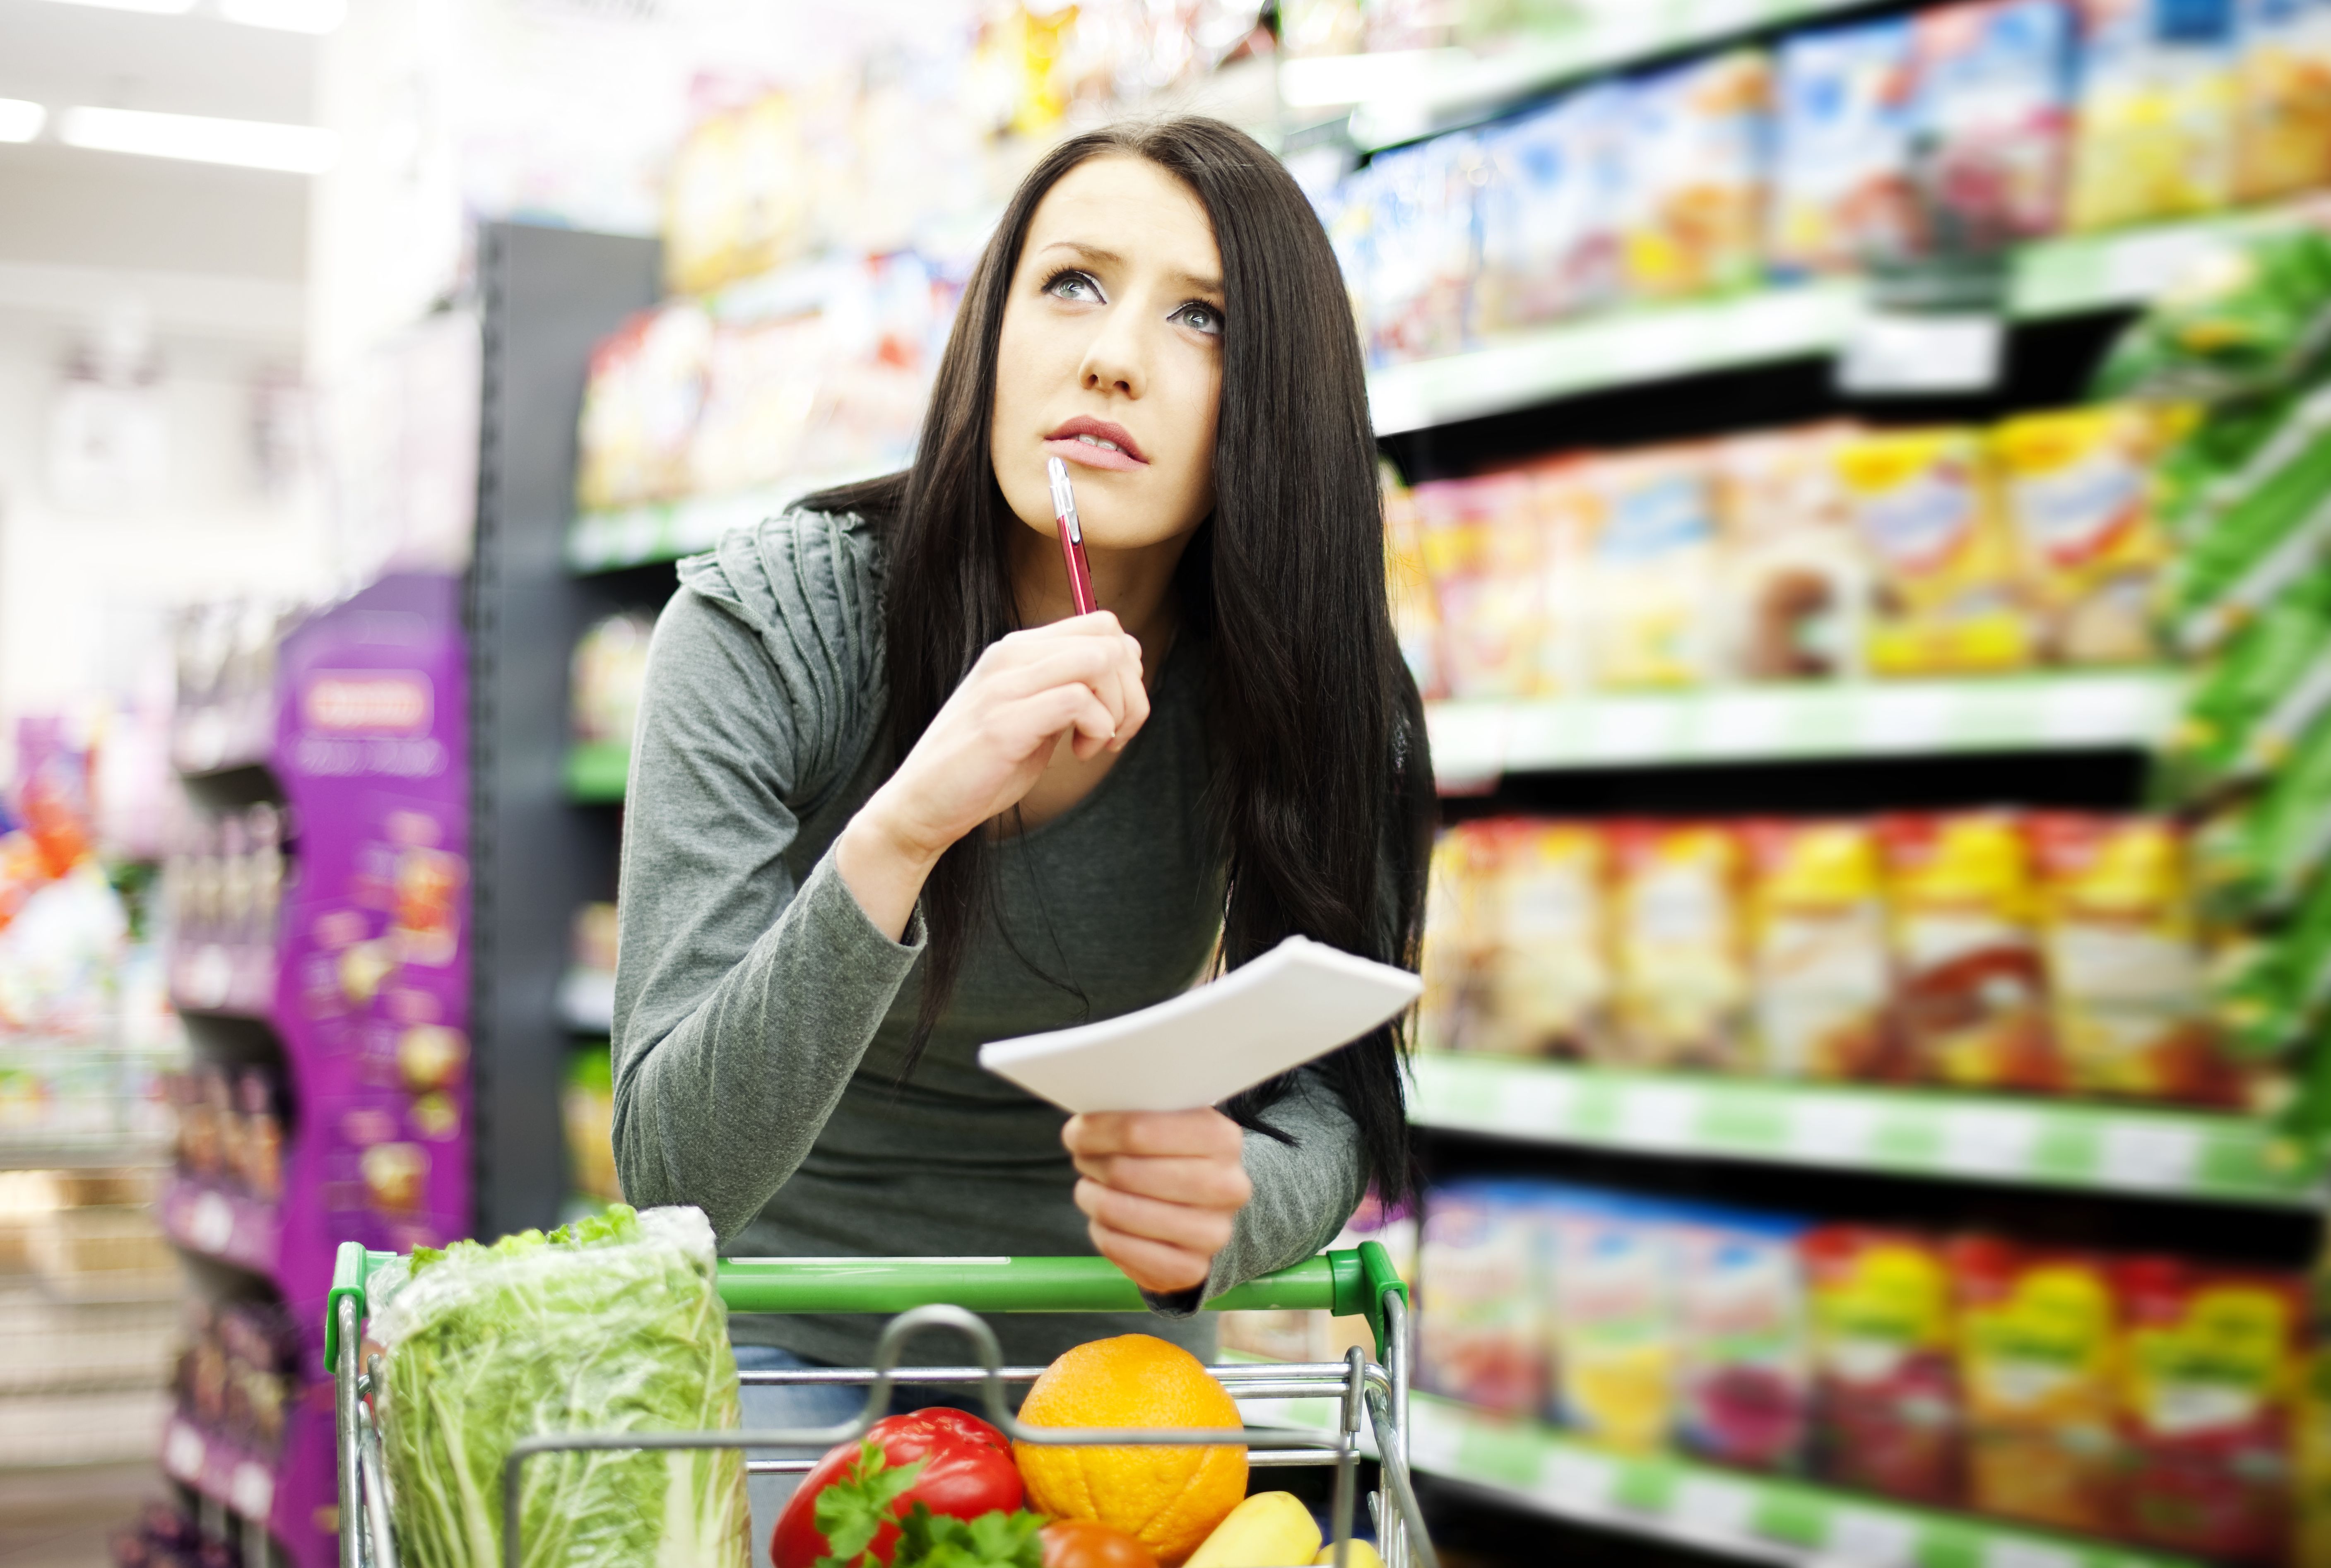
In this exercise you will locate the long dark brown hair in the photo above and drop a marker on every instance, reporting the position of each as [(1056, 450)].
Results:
[(1320, 795)]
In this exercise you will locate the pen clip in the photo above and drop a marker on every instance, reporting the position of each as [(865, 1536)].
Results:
[(1065, 500)]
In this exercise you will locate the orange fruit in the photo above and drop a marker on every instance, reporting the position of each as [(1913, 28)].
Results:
[(1169, 1499)]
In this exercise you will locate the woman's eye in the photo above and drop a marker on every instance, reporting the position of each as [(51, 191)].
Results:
[(1074, 286), (1200, 318)]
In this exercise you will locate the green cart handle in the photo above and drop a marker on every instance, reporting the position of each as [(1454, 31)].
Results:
[(1348, 1282)]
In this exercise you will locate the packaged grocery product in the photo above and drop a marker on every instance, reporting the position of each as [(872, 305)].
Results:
[(1480, 1335), (763, 384), (1692, 204), (1887, 1411), (641, 403), (2255, 857), (2124, 964), (1485, 552), (1841, 191), (1549, 210), (1613, 1319), (2242, 319), (1794, 582), (2208, 1385), (1421, 249), (741, 196), (1744, 1386), (2246, 708), (2253, 536), (608, 670), (1549, 972), (2039, 1349), (1408, 588), (1457, 1010), (1922, 504), (2282, 135), (2268, 987), (1682, 996), (1570, 501), (1823, 967), (1972, 997), (2156, 122), (587, 1108), (1992, 118), (1651, 568), (2075, 486)]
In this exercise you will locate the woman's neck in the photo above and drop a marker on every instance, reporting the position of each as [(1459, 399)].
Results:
[(1135, 585)]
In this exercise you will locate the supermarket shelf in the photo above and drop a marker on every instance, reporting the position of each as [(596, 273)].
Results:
[(75, 1153), (2127, 708), (1934, 1134), (587, 1001), (597, 771), (1764, 1518), (226, 1226), (1404, 95), (656, 531), (217, 1469), (2050, 279), (219, 977)]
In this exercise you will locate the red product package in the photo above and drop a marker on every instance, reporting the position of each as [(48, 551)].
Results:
[(2211, 1375), (1886, 1386)]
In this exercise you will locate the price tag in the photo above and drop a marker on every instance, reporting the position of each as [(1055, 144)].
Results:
[(251, 1491), (1990, 1142), (2152, 1154), (1833, 1129), (1864, 1539), (1583, 1483), (1714, 1506), (2010, 1553), (1660, 1115), (210, 1225), (182, 1453), (1901, 354)]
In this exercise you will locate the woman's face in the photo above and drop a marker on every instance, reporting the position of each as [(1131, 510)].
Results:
[(1110, 358)]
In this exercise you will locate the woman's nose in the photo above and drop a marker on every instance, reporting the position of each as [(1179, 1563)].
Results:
[(1117, 358)]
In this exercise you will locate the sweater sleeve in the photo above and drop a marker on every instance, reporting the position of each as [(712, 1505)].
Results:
[(743, 1002)]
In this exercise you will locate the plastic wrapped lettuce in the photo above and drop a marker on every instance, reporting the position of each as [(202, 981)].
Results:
[(608, 1325)]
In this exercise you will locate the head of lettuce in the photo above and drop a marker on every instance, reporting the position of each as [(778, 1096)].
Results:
[(608, 1325)]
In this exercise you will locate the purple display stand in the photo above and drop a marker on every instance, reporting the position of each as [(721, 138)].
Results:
[(370, 997)]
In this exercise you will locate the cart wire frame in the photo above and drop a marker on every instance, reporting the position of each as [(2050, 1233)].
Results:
[(926, 1294)]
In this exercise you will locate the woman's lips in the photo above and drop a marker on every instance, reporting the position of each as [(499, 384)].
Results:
[(1076, 449)]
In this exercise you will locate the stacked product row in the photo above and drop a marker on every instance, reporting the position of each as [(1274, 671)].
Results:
[(231, 1128), (2154, 1398), (224, 879), (2048, 952), (1828, 551), (1959, 130), (167, 1536), (239, 1373)]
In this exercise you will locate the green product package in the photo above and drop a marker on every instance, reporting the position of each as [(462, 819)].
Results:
[(2257, 859), (2246, 710), (2251, 315), (611, 1324), (2255, 533), (2267, 988)]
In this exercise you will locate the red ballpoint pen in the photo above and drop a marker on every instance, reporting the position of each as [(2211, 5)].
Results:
[(1072, 536)]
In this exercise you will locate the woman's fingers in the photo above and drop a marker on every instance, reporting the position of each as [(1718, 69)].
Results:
[(1210, 1183), (1151, 1265), (1202, 1231), (1203, 1133)]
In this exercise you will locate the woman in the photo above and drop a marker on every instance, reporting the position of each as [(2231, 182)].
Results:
[(891, 798)]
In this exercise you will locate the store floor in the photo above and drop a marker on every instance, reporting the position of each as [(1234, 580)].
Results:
[(62, 1518)]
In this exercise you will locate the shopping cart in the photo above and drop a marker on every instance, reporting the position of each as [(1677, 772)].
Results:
[(948, 1293)]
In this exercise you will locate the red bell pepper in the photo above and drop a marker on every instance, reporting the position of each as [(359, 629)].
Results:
[(963, 1469)]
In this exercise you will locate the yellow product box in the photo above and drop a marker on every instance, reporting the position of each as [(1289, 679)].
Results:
[(1550, 976), (2076, 487), (1817, 933), (1946, 600), (1683, 984), (2282, 133), (1651, 569)]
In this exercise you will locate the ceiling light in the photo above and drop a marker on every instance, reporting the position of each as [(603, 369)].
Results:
[(151, 7), (300, 149), (20, 120), (317, 17)]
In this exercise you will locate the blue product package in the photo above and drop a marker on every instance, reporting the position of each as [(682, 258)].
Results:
[(1549, 210), (1423, 248), (1480, 1333), (1744, 1383), (1993, 120), (1841, 191), (1692, 202), (1612, 1326)]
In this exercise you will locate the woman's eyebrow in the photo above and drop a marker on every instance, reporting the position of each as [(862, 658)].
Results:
[(1102, 256)]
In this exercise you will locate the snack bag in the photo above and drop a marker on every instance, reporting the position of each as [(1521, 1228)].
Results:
[(2039, 1357), (1744, 1386), (1692, 204), (1479, 1333), (1817, 925), (1973, 999), (1993, 116), (2210, 1380), (1841, 191), (1887, 1415), (2246, 709), (1923, 506), (2267, 988), (1456, 1012), (1613, 1325), (1408, 587), (2156, 136), (1683, 979), (1550, 974), (2074, 486), (2241, 319), (2253, 536), (1483, 551), (1651, 574), (1570, 505), (1422, 254), (2124, 966), (2256, 858), (2282, 135), (1794, 581), (763, 384), (1549, 210), (640, 403)]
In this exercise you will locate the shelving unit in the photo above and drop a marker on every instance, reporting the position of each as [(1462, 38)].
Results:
[(597, 772)]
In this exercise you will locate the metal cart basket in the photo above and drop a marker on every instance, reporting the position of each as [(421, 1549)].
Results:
[(948, 1293)]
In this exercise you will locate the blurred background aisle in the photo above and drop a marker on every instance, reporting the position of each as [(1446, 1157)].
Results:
[(1858, 487)]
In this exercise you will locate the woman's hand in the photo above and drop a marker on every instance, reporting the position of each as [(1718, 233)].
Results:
[(986, 748), (1161, 1190)]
